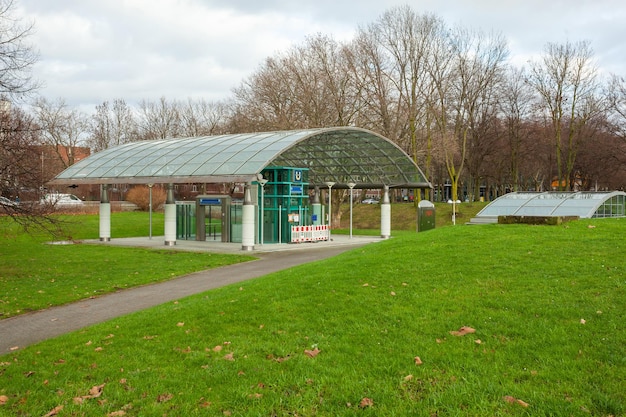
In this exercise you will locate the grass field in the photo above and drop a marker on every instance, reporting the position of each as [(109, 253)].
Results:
[(35, 274), (458, 321)]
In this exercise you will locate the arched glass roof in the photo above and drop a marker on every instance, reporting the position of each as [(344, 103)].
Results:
[(553, 204), (340, 155)]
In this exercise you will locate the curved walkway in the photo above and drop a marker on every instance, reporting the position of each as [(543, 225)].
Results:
[(24, 330)]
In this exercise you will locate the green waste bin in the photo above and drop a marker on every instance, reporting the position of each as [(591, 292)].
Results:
[(425, 216)]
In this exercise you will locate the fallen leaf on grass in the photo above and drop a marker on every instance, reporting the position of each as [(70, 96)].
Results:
[(312, 353), (54, 411), (418, 361), (366, 402), (94, 392), (583, 321), (408, 377), (117, 413), (512, 400), (229, 356), (463, 331), (3, 399)]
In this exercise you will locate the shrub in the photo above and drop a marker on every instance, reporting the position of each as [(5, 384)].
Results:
[(140, 195)]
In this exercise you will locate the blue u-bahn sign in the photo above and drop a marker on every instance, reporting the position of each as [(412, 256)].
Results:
[(210, 201)]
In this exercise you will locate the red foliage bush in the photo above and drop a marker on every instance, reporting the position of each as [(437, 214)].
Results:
[(140, 195)]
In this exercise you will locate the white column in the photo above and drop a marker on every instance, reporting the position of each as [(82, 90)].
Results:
[(105, 214), (247, 221), (170, 217), (385, 215), (351, 186)]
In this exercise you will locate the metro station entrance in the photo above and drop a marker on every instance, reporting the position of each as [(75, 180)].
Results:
[(213, 218), (283, 203)]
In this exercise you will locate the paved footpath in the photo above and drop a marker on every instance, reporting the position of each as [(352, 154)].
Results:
[(27, 329)]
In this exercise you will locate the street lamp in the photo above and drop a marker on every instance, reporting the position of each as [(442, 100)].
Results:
[(262, 181), (330, 184), (351, 186), (454, 203)]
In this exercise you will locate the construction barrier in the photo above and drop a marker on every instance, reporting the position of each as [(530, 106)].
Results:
[(309, 233)]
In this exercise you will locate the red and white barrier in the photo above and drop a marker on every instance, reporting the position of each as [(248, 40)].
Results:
[(309, 233)]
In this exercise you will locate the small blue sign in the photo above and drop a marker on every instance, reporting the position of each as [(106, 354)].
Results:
[(210, 201), (297, 175), (314, 217), (296, 189)]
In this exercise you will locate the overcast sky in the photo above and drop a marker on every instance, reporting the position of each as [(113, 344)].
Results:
[(97, 50)]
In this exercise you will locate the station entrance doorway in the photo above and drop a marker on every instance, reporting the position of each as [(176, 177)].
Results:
[(213, 218), (283, 203)]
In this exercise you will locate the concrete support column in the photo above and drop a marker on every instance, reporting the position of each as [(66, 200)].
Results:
[(170, 217), (317, 207), (385, 215), (105, 214), (247, 221)]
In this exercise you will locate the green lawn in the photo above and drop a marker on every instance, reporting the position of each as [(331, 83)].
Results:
[(340, 337), (35, 274)]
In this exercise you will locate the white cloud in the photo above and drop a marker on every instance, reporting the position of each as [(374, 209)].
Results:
[(93, 50)]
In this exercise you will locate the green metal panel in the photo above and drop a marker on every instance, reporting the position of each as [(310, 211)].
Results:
[(285, 202)]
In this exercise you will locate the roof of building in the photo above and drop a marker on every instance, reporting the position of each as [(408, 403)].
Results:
[(340, 155), (584, 204)]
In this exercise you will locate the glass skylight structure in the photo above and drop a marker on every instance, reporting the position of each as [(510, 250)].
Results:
[(552, 204), (340, 155)]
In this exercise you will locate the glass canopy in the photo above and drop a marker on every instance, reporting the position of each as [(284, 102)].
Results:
[(340, 155), (552, 204)]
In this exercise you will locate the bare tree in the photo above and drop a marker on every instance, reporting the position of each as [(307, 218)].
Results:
[(63, 129), (565, 79), (617, 106), (374, 77), (464, 71), (19, 141), (20, 173), (158, 120), (516, 110), (17, 56), (308, 86), (19, 152), (201, 118), (400, 44), (111, 125)]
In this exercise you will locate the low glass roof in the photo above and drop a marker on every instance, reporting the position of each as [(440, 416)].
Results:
[(341, 155), (552, 204)]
